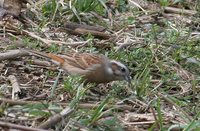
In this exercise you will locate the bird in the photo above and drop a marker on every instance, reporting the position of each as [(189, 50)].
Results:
[(94, 68)]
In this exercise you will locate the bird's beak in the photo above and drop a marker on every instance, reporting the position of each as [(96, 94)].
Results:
[(128, 79)]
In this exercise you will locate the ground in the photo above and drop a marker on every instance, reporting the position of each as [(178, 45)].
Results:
[(158, 41)]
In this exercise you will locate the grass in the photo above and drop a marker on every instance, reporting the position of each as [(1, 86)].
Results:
[(165, 68)]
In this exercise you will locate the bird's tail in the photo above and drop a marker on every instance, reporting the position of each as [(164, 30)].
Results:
[(50, 57)]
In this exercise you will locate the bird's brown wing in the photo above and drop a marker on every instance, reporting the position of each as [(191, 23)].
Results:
[(84, 60), (74, 63)]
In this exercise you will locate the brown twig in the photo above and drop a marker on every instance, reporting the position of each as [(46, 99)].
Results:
[(56, 118), (74, 26), (18, 127), (182, 11), (138, 123), (15, 87), (46, 41), (79, 31), (40, 63), (82, 106), (11, 54)]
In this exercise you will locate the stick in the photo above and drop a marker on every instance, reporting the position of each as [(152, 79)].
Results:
[(19, 127), (80, 106), (11, 54), (182, 11), (56, 118), (74, 26), (15, 87)]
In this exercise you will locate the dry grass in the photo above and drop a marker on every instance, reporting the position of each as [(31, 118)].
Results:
[(161, 48)]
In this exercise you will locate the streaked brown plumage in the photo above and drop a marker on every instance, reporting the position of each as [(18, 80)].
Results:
[(94, 68)]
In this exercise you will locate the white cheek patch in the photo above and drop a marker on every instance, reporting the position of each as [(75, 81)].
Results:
[(110, 71)]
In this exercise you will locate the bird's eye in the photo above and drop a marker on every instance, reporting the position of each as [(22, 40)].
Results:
[(123, 69)]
